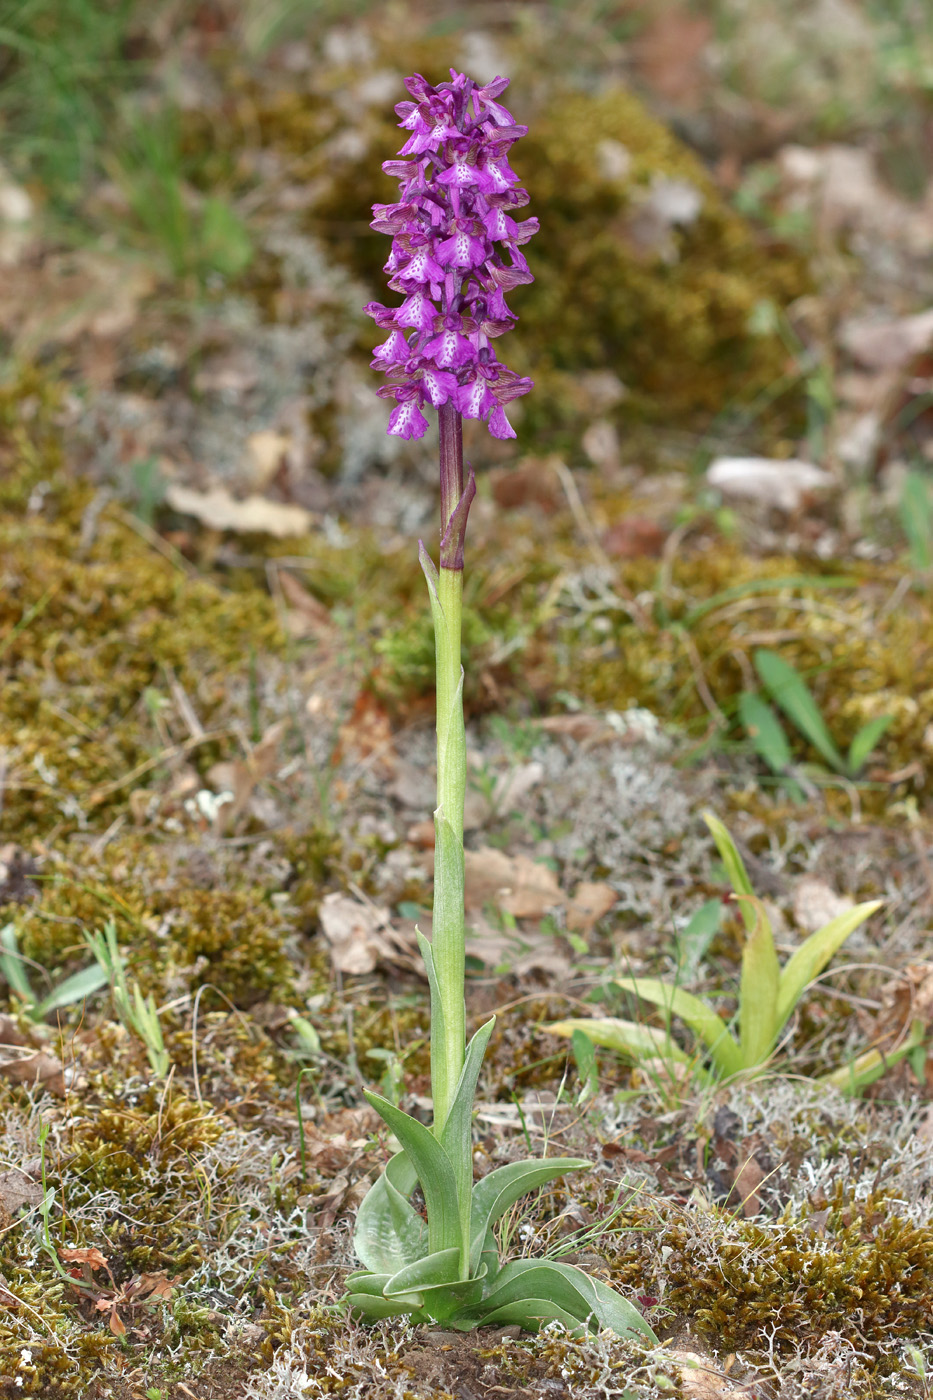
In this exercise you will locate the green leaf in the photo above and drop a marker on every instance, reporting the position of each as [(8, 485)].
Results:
[(389, 1232), (434, 1170), (447, 949), (569, 1289), (495, 1193), (529, 1314), (764, 729), (866, 741), (433, 1271), (434, 1285), (584, 1054), (456, 1134), (865, 1069), (626, 1037), (694, 940), (735, 867), (13, 967), (758, 995), (74, 988), (365, 1281), (790, 691), (702, 1019), (916, 512), (813, 955), (374, 1306)]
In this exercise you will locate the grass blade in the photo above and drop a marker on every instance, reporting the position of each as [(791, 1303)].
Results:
[(791, 693)]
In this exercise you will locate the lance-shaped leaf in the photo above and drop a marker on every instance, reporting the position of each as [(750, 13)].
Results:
[(447, 953), (735, 868), (562, 1286), (434, 1283), (495, 1193), (758, 995), (764, 729), (628, 1037), (813, 955), (790, 691), (872, 1064), (702, 1019), (434, 1170), (456, 1135), (389, 1231), (365, 1295), (74, 988), (866, 740), (528, 1313)]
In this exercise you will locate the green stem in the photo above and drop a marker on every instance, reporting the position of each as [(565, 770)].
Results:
[(446, 966)]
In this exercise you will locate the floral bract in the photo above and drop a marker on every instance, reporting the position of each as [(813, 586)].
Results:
[(454, 209)]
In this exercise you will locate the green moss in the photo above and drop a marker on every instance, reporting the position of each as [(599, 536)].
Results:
[(865, 1272), (91, 618)]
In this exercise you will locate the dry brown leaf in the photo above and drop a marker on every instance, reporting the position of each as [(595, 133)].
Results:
[(117, 1326), (242, 775), (634, 537), (253, 515), (331, 1153), (669, 54), (784, 485), (82, 293), (745, 1183), (887, 344), (37, 1069), (307, 617), (521, 953), (10, 1033), (529, 482), (517, 885), (148, 1288), (330, 1205), (90, 1256), (266, 453), (17, 869), (701, 1378), (591, 900), (366, 737), (18, 1189), (360, 935)]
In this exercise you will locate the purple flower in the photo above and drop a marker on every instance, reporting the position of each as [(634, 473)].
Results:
[(455, 252)]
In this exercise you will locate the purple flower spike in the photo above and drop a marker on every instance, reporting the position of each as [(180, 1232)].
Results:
[(455, 252)]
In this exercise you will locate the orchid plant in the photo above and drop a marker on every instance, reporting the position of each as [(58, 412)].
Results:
[(451, 228), (768, 996)]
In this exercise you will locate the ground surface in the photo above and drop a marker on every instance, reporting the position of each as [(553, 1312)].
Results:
[(216, 700)]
